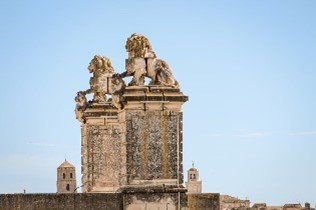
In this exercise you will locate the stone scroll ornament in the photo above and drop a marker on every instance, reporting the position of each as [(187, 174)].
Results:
[(142, 62)]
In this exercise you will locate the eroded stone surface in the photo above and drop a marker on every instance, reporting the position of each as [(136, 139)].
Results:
[(207, 201), (101, 147), (152, 140), (102, 161), (153, 136), (155, 200)]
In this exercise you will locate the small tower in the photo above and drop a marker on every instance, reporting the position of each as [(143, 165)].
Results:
[(66, 178), (193, 185)]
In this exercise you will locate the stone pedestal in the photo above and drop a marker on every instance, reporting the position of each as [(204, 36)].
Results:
[(101, 146), (134, 140), (137, 146), (151, 136)]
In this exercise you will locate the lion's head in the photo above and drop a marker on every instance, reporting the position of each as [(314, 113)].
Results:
[(100, 63), (138, 46), (81, 99)]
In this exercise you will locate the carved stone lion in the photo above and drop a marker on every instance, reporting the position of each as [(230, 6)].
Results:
[(102, 71), (138, 46), (160, 73), (155, 69), (81, 105), (118, 87), (142, 62)]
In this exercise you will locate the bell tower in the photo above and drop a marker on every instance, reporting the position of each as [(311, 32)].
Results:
[(66, 178), (194, 185)]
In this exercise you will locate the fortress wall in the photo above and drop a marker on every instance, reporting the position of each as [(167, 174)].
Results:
[(110, 201), (75, 201)]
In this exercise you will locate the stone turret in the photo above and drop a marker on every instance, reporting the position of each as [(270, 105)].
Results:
[(66, 178)]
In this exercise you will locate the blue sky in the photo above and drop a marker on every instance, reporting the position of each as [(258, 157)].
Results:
[(248, 68)]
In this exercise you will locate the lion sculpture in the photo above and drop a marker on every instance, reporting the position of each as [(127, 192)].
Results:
[(138, 46), (100, 82), (81, 105), (142, 62), (118, 87)]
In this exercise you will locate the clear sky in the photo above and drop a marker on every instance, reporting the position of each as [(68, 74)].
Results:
[(248, 67)]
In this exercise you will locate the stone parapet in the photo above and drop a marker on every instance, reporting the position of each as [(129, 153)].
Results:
[(50, 201), (151, 200), (129, 199)]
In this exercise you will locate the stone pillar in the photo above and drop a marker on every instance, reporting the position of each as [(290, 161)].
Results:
[(100, 148), (151, 135)]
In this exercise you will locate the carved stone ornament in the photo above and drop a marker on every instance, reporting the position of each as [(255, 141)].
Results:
[(138, 46), (131, 137), (100, 82), (81, 105), (142, 62), (118, 87)]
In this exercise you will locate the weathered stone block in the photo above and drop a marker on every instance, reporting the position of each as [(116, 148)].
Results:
[(205, 201), (152, 136)]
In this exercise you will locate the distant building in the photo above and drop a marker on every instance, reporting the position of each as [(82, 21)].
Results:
[(193, 185), (296, 206), (307, 206), (229, 202), (259, 206), (274, 207), (66, 178)]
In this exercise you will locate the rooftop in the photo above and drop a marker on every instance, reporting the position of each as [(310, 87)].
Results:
[(66, 164)]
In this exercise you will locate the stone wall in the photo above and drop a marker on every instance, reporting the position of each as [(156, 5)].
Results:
[(154, 200), (162, 199), (75, 201), (203, 201)]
